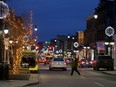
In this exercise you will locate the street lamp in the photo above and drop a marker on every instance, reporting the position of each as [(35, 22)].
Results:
[(55, 45), (35, 28), (6, 43), (95, 16), (71, 39), (6, 30), (68, 36), (70, 42)]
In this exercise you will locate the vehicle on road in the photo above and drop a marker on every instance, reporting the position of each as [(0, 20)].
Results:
[(84, 63), (68, 60), (57, 63), (103, 61), (47, 60)]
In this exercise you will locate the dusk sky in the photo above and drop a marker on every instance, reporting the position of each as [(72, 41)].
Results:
[(56, 17)]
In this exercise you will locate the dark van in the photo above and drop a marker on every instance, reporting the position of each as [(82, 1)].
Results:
[(103, 61)]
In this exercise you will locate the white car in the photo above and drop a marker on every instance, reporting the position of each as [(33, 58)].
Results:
[(57, 63)]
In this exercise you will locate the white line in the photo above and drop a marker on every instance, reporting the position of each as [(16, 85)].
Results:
[(99, 84)]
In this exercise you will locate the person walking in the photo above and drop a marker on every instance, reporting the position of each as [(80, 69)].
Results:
[(74, 65)]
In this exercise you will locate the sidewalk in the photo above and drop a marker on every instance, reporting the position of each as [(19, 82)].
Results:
[(34, 79), (111, 72)]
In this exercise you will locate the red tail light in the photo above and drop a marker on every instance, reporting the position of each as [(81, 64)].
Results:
[(91, 62), (94, 61), (82, 62)]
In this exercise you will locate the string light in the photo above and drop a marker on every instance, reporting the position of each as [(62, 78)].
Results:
[(17, 30)]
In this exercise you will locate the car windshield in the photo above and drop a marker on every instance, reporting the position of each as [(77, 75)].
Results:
[(58, 59)]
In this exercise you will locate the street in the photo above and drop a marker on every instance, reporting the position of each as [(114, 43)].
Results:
[(38, 36), (59, 78)]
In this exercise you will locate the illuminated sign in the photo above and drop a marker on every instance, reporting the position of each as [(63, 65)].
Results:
[(109, 31), (76, 44)]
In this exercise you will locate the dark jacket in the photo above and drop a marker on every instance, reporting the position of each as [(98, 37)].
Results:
[(74, 63)]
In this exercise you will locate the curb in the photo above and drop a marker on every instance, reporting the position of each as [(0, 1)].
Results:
[(109, 73), (33, 83), (30, 84)]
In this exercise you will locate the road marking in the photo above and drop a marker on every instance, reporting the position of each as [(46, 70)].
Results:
[(99, 84)]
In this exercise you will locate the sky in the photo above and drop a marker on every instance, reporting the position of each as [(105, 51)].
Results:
[(55, 17)]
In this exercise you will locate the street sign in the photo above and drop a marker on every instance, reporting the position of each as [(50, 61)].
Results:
[(109, 31), (4, 9)]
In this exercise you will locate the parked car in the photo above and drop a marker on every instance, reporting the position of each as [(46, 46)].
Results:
[(57, 63), (103, 61), (29, 60)]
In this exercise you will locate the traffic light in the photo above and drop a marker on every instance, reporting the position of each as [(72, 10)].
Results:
[(50, 48), (38, 47)]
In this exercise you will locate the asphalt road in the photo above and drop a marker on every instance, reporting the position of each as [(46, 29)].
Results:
[(88, 78)]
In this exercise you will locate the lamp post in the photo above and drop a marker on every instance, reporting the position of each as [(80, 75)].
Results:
[(4, 10), (6, 44), (35, 28), (70, 43), (6, 60), (55, 45)]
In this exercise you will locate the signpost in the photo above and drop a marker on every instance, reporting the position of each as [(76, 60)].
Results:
[(109, 31)]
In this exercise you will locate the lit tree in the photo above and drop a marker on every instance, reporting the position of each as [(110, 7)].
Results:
[(17, 30)]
